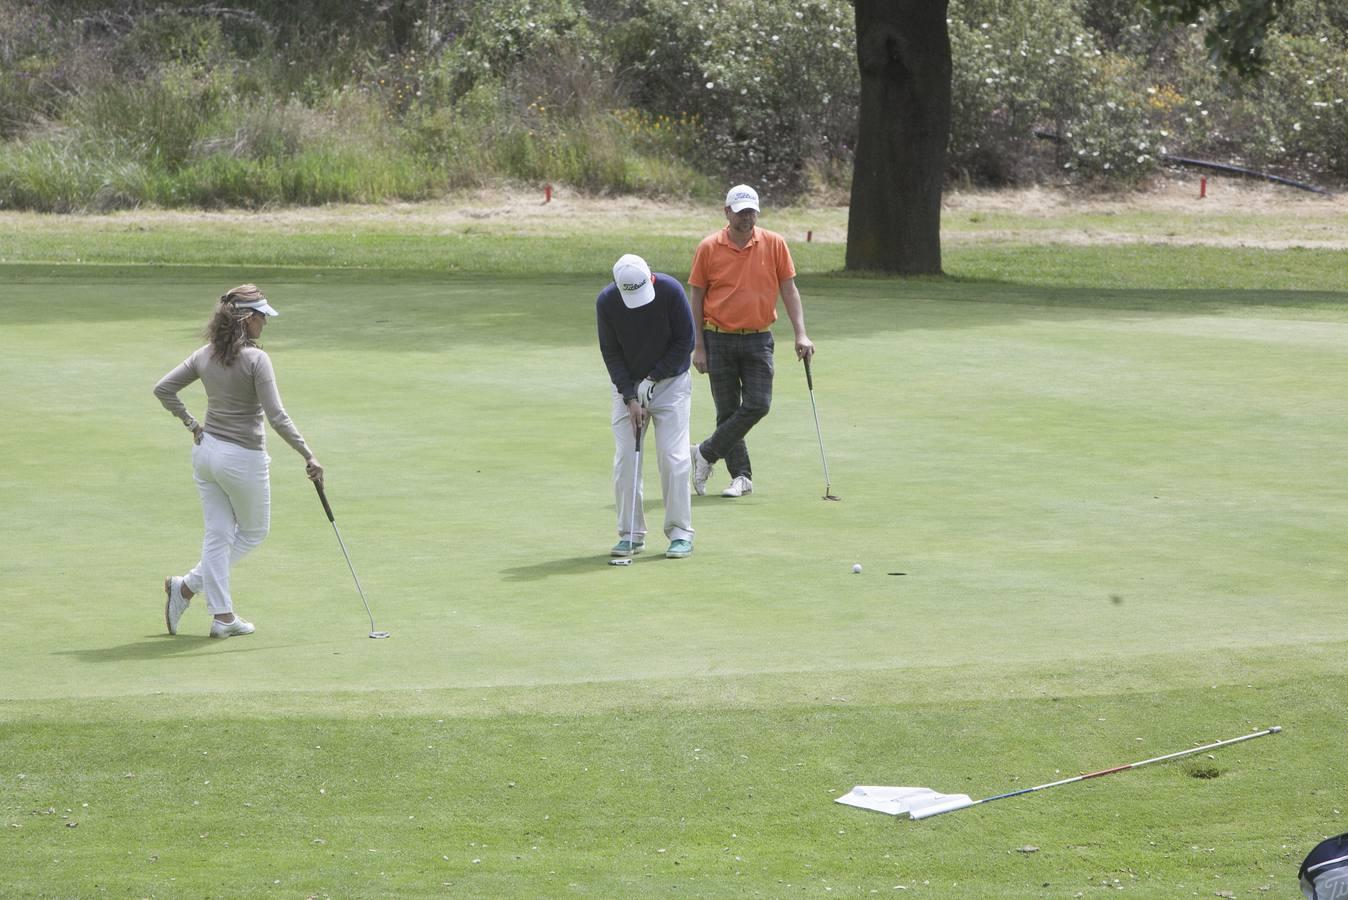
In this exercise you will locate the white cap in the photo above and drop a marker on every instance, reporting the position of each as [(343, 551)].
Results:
[(259, 303), (634, 280), (741, 196)]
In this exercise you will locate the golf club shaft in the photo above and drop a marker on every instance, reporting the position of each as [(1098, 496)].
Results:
[(359, 589), (819, 432), (1146, 762), (636, 486), (323, 497)]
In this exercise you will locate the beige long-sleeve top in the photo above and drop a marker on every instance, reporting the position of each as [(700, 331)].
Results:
[(237, 396)]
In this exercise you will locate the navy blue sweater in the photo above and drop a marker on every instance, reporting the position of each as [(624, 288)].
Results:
[(652, 341)]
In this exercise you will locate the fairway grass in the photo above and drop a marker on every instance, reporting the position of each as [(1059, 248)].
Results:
[(1112, 480)]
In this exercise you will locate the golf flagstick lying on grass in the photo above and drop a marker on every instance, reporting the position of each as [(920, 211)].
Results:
[(328, 509), (919, 803)]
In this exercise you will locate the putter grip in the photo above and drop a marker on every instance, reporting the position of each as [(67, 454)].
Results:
[(809, 379), (324, 498)]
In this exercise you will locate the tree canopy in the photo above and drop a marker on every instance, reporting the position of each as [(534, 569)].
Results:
[(1235, 29)]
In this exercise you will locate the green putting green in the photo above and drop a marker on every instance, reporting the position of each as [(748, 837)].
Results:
[(1101, 516)]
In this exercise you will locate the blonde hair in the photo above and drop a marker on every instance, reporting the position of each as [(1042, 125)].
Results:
[(225, 331)]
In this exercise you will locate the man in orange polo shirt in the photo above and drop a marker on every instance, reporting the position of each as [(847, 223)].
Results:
[(738, 273)]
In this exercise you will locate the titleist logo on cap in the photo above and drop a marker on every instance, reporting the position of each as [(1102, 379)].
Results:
[(741, 197)]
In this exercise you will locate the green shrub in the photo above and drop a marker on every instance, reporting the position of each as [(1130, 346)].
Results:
[(773, 83), (537, 51), (55, 174), (1111, 136), (1028, 66), (1291, 119), (1298, 113), (168, 37), (34, 68), (162, 115), (105, 105)]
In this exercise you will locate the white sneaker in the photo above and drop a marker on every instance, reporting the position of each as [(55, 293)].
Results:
[(228, 629), (175, 603), (701, 470), (739, 487)]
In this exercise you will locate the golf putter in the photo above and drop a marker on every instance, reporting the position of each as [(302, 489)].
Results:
[(632, 518), (328, 509), (809, 381)]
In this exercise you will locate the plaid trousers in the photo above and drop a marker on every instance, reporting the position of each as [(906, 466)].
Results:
[(739, 368)]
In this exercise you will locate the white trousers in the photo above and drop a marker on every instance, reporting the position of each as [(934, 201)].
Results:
[(235, 487), (670, 409)]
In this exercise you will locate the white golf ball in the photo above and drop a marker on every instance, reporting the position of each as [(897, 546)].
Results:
[(856, 569)]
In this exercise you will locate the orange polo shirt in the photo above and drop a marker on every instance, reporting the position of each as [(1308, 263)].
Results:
[(741, 283)]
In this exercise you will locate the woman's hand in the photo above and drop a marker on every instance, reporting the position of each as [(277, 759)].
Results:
[(314, 471), (197, 433)]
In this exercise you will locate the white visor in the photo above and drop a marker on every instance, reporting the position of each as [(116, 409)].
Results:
[(260, 304)]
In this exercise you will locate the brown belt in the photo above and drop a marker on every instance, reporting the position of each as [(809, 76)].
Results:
[(709, 325)]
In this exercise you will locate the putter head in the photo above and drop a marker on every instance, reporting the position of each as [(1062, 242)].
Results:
[(620, 562), (377, 635), (832, 497)]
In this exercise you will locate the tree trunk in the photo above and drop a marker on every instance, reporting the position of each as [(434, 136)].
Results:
[(903, 51)]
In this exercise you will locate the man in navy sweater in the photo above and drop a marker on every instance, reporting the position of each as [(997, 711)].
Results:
[(646, 338)]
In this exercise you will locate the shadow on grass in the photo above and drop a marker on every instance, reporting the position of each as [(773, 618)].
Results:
[(159, 646), (435, 312), (574, 565)]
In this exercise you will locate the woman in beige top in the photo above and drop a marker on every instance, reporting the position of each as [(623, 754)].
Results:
[(229, 455)]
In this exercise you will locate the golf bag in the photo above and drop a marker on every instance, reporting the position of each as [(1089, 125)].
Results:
[(1324, 872)]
